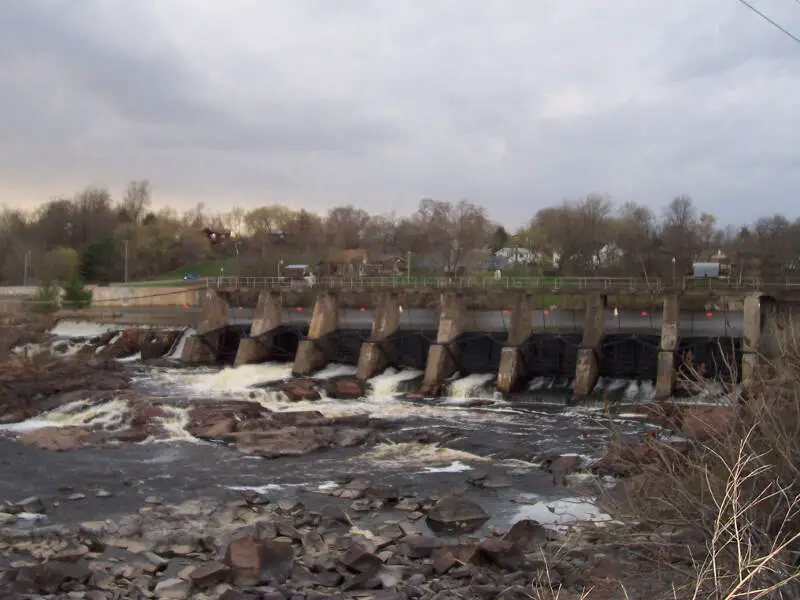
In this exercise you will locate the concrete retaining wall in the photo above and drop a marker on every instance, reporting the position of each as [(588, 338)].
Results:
[(145, 296)]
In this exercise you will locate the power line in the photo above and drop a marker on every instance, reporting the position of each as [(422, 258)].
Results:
[(770, 21)]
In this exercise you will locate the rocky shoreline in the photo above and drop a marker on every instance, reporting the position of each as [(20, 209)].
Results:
[(254, 548)]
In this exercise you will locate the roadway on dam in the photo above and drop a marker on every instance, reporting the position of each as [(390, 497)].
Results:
[(710, 324)]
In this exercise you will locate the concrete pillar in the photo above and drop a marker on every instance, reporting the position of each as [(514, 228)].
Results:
[(373, 357), (670, 331), (586, 370), (313, 353), (512, 368), (441, 356), (203, 348), (751, 338), (267, 317)]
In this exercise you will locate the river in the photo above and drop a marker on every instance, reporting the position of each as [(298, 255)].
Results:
[(431, 446)]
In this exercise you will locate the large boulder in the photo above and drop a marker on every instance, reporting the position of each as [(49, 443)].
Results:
[(56, 439), (254, 561), (456, 514), (346, 387), (299, 390), (288, 441), (158, 344)]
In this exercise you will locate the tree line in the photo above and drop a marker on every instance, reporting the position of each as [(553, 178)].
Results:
[(99, 237)]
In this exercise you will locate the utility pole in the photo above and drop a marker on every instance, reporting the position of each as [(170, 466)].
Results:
[(408, 265), (25, 267), (125, 243)]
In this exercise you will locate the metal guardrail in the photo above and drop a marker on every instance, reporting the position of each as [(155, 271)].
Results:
[(550, 284)]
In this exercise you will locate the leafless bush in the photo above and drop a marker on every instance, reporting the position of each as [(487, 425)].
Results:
[(725, 506)]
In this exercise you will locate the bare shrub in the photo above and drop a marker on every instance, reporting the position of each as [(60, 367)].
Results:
[(724, 508)]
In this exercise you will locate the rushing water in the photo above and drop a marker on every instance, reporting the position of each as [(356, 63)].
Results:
[(433, 446)]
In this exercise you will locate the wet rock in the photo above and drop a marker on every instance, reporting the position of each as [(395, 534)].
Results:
[(345, 388), (564, 465), (253, 561), (32, 504), (210, 573), (158, 344), (56, 439), (527, 535), (358, 559), (289, 441), (456, 514), (300, 418), (502, 553), (216, 420), (76, 496), (420, 546), (173, 589), (409, 504), (491, 481), (299, 390), (443, 561), (103, 494), (145, 414)]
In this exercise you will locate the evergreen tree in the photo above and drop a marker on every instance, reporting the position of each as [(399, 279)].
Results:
[(75, 294)]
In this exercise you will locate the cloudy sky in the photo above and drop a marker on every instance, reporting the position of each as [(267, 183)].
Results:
[(514, 104)]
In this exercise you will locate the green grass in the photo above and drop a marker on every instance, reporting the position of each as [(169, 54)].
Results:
[(206, 269)]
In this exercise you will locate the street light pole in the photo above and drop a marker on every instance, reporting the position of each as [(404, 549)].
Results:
[(408, 265), (674, 276), (25, 267), (125, 244)]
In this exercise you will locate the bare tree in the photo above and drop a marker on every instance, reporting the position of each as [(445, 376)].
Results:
[(136, 201), (344, 226)]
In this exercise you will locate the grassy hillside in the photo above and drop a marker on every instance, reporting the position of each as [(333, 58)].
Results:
[(206, 269)]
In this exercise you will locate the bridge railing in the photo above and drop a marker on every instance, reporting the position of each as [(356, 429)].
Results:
[(551, 284)]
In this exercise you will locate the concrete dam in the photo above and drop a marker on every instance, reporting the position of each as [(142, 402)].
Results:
[(661, 345)]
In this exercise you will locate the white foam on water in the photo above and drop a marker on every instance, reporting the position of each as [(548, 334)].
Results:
[(177, 349), (108, 415), (335, 370), (26, 516), (70, 328), (132, 358), (562, 512), (640, 390), (469, 386), (388, 383), (418, 454), (259, 489), (175, 422), (228, 381), (327, 485), (454, 467)]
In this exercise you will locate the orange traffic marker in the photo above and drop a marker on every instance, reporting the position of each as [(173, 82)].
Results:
[(299, 309), (505, 311), (363, 309), (547, 312), (708, 314), (644, 313)]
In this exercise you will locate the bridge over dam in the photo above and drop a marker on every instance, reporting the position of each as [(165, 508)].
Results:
[(599, 328)]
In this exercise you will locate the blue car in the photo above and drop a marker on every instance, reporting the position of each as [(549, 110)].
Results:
[(191, 277)]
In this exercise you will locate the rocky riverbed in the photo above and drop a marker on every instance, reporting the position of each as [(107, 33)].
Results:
[(127, 477)]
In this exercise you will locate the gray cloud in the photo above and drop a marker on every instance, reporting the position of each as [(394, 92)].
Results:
[(515, 105)]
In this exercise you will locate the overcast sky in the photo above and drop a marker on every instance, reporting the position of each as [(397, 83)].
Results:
[(514, 104)]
